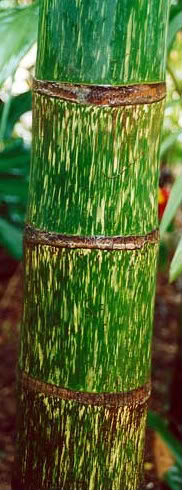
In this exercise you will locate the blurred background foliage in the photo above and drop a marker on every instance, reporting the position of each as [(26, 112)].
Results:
[(18, 33)]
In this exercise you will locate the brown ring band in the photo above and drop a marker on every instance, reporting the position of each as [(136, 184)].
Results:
[(103, 95), (36, 237), (136, 397)]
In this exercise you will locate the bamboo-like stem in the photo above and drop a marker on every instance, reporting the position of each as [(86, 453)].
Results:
[(91, 245)]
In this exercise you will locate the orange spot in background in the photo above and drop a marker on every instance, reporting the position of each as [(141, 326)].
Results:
[(163, 196)]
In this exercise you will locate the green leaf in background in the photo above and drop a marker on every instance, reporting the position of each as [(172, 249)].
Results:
[(14, 173), (18, 32), (175, 8), (13, 190), (11, 239), (15, 159), (18, 165), (156, 423), (174, 201), (174, 26), (173, 103), (168, 142), (173, 477), (163, 255), (18, 105), (176, 264), (16, 215)]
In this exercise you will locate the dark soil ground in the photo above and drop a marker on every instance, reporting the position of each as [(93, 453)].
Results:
[(166, 370)]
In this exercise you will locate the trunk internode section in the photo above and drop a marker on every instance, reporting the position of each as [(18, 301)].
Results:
[(90, 245)]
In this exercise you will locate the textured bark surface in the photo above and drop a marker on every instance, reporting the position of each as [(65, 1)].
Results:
[(90, 316), (78, 446), (101, 94), (100, 242), (91, 245), (99, 163)]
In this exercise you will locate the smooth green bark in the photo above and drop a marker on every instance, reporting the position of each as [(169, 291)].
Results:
[(106, 42), (87, 324)]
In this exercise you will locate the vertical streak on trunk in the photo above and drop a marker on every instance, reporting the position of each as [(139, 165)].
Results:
[(91, 245)]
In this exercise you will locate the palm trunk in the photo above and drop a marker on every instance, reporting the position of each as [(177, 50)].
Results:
[(91, 245)]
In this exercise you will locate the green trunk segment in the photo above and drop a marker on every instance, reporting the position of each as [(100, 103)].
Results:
[(75, 446), (99, 163), (88, 317), (102, 42), (87, 322)]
